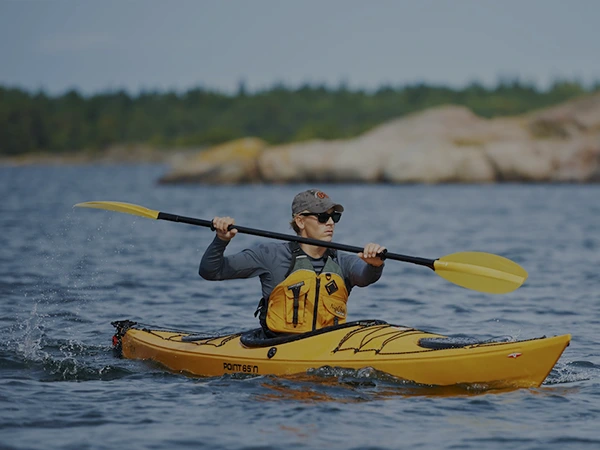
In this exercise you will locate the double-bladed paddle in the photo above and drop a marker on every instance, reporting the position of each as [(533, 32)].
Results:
[(479, 271)]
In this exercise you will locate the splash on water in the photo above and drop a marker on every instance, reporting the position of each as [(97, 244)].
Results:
[(57, 359), (569, 372)]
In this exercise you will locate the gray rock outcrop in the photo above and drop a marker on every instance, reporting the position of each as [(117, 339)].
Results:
[(447, 144)]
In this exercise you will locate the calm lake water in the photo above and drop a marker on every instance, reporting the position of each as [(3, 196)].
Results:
[(67, 273)]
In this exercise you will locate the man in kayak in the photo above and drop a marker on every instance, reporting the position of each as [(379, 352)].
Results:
[(304, 287)]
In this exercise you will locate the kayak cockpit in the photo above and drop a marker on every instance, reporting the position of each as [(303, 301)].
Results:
[(257, 338)]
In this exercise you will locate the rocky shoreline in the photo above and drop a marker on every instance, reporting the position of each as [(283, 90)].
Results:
[(447, 144)]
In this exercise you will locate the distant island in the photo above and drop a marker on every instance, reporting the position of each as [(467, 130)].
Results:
[(413, 134), (445, 144)]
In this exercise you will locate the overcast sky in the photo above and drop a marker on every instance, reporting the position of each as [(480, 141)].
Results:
[(96, 46)]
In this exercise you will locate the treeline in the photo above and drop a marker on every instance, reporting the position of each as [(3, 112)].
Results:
[(71, 122)]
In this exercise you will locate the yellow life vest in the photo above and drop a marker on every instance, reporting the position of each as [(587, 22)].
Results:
[(305, 301)]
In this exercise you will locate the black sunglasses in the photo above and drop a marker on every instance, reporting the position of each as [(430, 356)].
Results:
[(324, 217)]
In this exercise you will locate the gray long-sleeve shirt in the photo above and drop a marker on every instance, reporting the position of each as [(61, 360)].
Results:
[(271, 261)]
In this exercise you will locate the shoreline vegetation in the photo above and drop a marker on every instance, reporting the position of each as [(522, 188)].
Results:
[(412, 134)]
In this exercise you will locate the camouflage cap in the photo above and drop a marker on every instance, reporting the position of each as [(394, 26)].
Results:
[(314, 200)]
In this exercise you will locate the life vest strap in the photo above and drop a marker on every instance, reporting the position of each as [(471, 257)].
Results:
[(295, 288)]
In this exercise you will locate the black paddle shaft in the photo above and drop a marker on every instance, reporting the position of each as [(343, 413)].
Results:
[(291, 238)]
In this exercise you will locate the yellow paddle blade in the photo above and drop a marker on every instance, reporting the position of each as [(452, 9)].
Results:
[(481, 272), (128, 208)]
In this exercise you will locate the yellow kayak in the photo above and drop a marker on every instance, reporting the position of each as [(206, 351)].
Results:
[(405, 353)]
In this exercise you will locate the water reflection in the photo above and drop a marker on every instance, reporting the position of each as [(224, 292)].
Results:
[(339, 385)]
